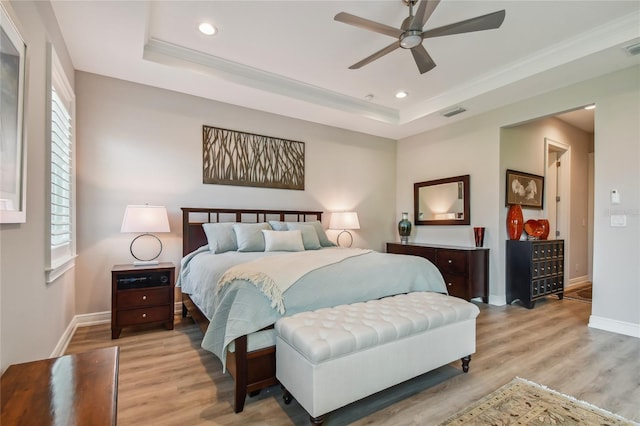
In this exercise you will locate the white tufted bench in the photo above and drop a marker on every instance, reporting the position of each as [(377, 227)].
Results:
[(331, 357)]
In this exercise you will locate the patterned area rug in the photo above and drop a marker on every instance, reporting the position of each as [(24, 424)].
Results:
[(582, 293), (521, 402)]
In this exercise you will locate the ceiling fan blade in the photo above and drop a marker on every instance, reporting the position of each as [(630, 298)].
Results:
[(422, 58), (479, 23), (380, 53), (366, 24), (425, 10)]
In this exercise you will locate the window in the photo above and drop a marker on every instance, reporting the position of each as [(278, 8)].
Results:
[(62, 173)]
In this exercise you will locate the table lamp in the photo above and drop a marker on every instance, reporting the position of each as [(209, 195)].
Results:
[(344, 221), (145, 220)]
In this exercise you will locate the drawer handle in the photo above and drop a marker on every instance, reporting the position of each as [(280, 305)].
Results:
[(144, 297), (450, 261), (144, 315), (449, 284)]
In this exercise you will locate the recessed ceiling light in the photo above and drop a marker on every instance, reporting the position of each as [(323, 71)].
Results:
[(401, 94), (207, 29), (369, 97), (592, 106)]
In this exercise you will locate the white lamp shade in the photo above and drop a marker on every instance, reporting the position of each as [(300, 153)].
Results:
[(344, 220), (145, 219)]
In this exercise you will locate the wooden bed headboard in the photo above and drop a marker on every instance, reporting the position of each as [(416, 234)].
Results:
[(193, 236)]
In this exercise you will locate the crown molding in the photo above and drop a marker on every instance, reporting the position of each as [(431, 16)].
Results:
[(170, 54)]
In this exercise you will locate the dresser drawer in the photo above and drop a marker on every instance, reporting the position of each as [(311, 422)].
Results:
[(456, 285), (144, 297), (451, 262), (144, 315)]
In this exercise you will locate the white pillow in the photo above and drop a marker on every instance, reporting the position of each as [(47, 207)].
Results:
[(282, 240), (220, 237), (249, 236)]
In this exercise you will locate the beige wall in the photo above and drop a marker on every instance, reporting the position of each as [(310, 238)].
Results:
[(33, 314), (138, 144), (473, 146)]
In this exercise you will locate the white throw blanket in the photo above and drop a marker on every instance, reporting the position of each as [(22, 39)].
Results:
[(275, 274)]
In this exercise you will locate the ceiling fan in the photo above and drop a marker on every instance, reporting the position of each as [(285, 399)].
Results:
[(411, 34)]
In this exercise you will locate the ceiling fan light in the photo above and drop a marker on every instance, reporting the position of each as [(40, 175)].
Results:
[(410, 39)]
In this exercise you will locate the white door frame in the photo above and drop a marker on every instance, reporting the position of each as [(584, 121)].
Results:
[(564, 193)]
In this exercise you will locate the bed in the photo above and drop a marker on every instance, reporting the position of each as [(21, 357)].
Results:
[(237, 318)]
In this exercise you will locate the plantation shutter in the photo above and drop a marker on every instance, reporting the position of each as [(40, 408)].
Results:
[(61, 181)]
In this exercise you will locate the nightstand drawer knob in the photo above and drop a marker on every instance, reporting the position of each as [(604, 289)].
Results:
[(450, 261), (144, 315), (449, 284), (144, 297)]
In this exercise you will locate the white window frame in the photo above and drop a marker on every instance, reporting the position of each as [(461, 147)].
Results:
[(60, 259)]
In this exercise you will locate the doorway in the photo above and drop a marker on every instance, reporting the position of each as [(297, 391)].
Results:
[(558, 193)]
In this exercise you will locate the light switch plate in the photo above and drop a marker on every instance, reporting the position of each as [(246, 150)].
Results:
[(618, 220)]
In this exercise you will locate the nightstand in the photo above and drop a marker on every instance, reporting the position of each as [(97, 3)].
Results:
[(142, 295)]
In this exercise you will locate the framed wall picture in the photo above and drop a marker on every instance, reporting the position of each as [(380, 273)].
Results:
[(12, 146), (230, 157), (524, 189)]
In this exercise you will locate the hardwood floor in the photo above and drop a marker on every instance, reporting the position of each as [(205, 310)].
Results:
[(167, 379)]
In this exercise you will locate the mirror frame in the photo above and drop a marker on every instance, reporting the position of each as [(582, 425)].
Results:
[(467, 207)]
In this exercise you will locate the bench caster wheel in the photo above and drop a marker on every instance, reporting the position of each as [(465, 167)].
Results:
[(286, 397)]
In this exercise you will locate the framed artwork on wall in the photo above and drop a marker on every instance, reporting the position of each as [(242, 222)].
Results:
[(231, 157), (12, 146), (525, 189)]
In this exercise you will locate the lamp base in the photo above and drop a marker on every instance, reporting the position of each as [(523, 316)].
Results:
[(145, 262), (150, 260), (350, 236)]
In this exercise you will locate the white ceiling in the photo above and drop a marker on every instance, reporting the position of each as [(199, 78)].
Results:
[(292, 58)]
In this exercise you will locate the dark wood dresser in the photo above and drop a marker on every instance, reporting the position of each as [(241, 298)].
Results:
[(78, 389), (141, 295), (535, 269), (465, 269)]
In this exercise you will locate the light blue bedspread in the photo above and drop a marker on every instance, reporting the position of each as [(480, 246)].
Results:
[(240, 308)]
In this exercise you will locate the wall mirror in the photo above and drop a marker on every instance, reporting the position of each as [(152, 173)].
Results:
[(442, 201)]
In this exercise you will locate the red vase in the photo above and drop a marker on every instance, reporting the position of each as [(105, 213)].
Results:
[(544, 223), (515, 222)]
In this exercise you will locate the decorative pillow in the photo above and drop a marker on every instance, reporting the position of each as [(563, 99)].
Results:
[(283, 240), (220, 237), (309, 235), (278, 226), (322, 235), (249, 236)]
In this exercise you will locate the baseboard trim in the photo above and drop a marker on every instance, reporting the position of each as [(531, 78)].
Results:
[(578, 280), (86, 320), (615, 326), (83, 320)]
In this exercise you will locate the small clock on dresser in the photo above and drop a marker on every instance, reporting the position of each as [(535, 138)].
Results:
[(141, 295)]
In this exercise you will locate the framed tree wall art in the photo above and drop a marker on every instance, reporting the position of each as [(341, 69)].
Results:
[(237, 158), (524, 189), (12, 146)]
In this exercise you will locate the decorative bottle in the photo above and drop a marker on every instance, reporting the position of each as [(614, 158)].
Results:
[(404, 228)]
